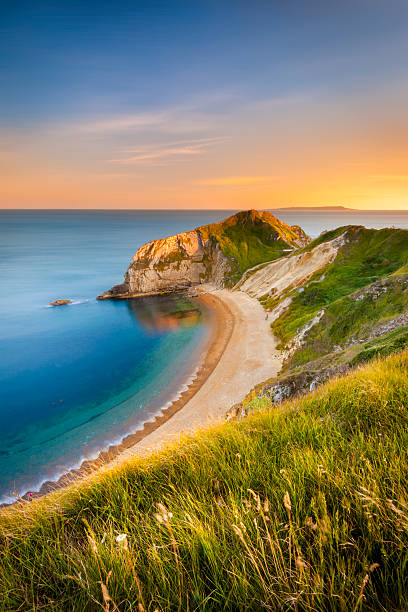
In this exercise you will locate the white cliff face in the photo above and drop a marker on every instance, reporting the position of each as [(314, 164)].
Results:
[(177, 262), (150, 277), (291, 271)]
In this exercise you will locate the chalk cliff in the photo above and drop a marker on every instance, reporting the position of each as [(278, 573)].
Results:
[(218, 253)]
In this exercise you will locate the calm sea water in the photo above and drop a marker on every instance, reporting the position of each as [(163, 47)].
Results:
[(75, 379)]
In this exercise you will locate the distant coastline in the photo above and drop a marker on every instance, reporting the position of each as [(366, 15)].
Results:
[(183, 211), (325, 208)]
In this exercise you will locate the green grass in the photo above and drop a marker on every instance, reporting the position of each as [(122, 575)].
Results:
[(370, 255), (251, 238), (330, 235), (383, 346), (248, 250), (350, 317), (247, 239), (298, 508)]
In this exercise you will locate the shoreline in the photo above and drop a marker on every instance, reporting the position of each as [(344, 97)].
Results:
[(250, 357), (222, 326)]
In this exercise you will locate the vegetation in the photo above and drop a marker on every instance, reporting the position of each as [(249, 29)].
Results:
[(354, 317), (368, 256), (298, 508), (252, 238), (392, 342), (247, 238), (330, 235)]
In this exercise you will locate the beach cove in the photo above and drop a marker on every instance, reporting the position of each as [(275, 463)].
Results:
[(78, 378), (91, 380), (239, 352), (248, 358)]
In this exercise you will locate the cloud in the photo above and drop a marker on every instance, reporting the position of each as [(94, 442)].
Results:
[(230, 181), (195, 115), (189, 141), (117, 124), (201, 114), (163, 154), (108, 175), (389, 177)]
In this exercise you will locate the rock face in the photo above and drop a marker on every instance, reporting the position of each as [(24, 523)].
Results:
[(60, 302), (292, 271), (216, 253)]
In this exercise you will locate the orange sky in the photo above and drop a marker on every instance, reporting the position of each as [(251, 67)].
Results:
[(289, 156), (302, 107)]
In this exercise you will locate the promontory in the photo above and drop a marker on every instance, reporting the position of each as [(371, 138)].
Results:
[(218, 253)]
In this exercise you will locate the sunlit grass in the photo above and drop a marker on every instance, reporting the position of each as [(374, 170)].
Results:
[(368, 256), (304, 507)]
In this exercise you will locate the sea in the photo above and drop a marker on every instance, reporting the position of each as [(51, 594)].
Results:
[(75, 379)]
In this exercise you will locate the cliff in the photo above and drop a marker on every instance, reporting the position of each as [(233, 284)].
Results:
[(334, 304), (218, 253)]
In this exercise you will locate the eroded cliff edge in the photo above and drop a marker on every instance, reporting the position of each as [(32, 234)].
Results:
[(218, 253)]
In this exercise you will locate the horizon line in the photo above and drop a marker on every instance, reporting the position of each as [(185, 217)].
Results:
[(151, 210)]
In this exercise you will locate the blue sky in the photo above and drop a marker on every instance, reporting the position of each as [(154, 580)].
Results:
[(81, 82)]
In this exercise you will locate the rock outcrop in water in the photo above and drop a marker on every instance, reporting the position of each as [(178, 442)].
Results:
[(60, 302), (218, 253)]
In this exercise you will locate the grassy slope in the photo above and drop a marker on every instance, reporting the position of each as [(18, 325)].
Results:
[(300, 508), (351, 318), (369, 256), (383, 346), (251, 239)]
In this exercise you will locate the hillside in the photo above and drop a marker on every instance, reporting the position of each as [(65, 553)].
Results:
[(298, 508), (335, 303), (304, 508), (218, 253)]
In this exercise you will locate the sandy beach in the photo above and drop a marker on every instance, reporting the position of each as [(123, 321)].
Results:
[(240, 353), (248, 358)]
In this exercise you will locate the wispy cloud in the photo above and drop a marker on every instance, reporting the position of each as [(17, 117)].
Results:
[(190, 141), (117, 124), (201, 114), (230, 181), (166, 153), (108, 175), (389, 177), (193, 115)]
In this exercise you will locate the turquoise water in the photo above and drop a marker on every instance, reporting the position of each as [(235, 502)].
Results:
[(75, 379)]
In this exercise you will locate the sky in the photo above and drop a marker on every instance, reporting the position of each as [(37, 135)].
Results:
[(203, 104)]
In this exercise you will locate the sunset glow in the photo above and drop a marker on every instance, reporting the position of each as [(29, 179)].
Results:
[(280, 104)]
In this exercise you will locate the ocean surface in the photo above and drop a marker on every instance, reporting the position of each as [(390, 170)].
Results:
[(75, 379)]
